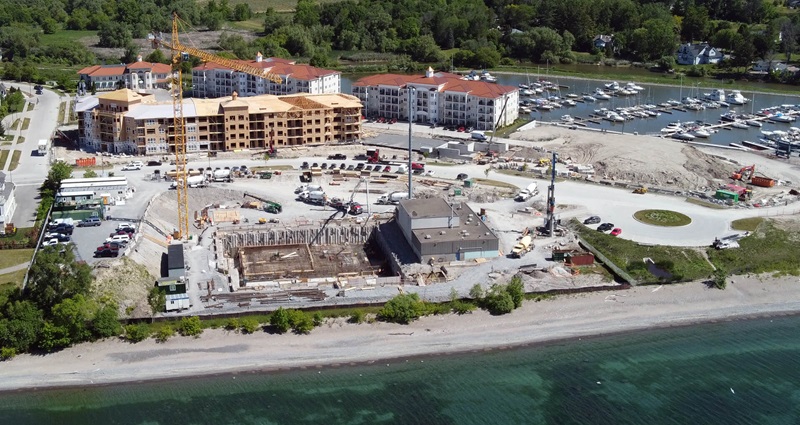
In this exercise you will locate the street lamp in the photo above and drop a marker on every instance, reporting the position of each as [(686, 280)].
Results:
[(411, 91)]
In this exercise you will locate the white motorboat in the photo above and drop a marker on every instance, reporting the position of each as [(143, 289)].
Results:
[(567, 118), (674, 102), (736, 98), (572, 95), (489, 78), (716, 95), (724, 104), (633, 87), (754, 123), (612, 86), (527, 92), (524, 86), (782, 118), (700, 132), (683, 136), (601, 95), (672, 128), (739, 124), (570, 102), (588, 98)]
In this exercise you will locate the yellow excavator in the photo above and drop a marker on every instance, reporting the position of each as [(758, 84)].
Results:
[(640, 190)]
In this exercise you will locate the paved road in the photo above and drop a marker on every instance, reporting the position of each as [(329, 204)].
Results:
[(32, 169)]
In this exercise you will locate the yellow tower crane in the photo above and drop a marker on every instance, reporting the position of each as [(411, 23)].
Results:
[(179, 123)]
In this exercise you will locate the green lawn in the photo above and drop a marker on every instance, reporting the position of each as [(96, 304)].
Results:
[(683, 263), (12, 280), (15, 124), (30, 106), (14, 160), (663, 218), (61, 108), (3, 158), (507, 130), (12, 257), (767, 250), (26, 123), (64, 36), (747, 224), (20, 140)]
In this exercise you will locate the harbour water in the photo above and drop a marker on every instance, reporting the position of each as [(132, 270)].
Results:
[(653, 94), (734, 372)]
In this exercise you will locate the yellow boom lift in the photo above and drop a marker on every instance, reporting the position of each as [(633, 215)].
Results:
[(179, 123)]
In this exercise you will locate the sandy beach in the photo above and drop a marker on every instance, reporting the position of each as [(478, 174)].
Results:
[(338, 343)]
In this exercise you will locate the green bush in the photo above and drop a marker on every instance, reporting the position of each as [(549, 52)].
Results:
[(498, 300), (190, 326), (7, 353), (404, 309), (516, 290), (357, 317), (462, 307), (280, 320), (137, 332), (301, 322), (249, 325), (476, 292), (164, 334), (319, 319), (232, 324)]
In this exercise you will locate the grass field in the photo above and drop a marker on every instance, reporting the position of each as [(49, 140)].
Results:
[(495, 183), (12, 257), (11, 280), (3, 158), (767, 250), (15, 124), (683, 264), (260, 6), (64, 36), (507, 130), (26, 123), (30, 106), (747, 224), (14, 160), (663, 218)]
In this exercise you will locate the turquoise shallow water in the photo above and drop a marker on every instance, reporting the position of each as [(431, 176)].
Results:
[(739, 372)]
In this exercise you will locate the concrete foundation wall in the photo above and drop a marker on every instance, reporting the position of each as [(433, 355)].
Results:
[(332, 235)]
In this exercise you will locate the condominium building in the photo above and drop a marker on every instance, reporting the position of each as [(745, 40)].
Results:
[(124, 121), (214, 80), (139, 75), (440, 98)]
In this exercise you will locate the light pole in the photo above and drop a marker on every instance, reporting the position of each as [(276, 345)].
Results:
[(411, 90)]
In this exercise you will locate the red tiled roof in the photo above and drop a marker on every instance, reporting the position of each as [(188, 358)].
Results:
[(447, 82), (155, 67), (278, 66), (103, 71)]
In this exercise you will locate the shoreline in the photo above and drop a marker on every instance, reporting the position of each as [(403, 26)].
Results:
[(338, 344)]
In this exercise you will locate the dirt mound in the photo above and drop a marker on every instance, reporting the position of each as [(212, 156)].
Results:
[(127, 282), (638, 159)]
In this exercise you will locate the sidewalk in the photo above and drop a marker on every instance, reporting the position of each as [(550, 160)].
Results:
[(8, 121), (13, 269)]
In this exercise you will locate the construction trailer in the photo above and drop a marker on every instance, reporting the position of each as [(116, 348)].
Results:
[(726, 195)]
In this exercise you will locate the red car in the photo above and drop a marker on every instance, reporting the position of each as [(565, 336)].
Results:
[(616, 231)]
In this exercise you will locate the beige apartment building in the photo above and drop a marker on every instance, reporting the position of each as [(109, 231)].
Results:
[(124, 121)]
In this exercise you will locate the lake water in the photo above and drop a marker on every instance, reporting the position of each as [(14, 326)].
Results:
[(653, 94), (738, 372)]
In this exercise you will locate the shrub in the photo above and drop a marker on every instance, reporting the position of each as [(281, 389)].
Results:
[(498, 300), (318, 319), (404, 309), (476, 292), (232, 324), (164, 334), (190, 326), (462, 307), (516, 289), (7, 353), (137, 332), (300, 321), (249, 325), (357, 317), (280, 320), (720, 278)]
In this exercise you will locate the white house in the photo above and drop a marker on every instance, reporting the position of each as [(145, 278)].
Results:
[(698, 54), (7, 202)]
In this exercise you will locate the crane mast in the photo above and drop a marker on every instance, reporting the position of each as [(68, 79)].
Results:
[(179, 121)]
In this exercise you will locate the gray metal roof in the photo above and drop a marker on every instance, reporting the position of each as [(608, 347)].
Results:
[(426, 208), (471, 228), (175, 257)]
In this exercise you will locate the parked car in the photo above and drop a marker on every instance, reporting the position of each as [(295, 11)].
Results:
[(131, 167), (63, 228), (124, 225), (351, 167), (153, 163), (605, 227), (315, 165), (337, 156), (462, 176), (112, 245), (89, 222), (342, 166), (103, 251), (324, 166), (304, 165), (59, 236), (360, 157), (387, 169), (360, 167), (119, 238), (592, 220), (616, 232), (50, 242)]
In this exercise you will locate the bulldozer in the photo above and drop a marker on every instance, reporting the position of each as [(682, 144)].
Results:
[(640, 190), (544, 162)]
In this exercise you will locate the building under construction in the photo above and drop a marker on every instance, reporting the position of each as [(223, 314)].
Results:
[(124, 121)]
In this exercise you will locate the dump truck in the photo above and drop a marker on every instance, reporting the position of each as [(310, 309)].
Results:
[(522, 247), (392, 198)]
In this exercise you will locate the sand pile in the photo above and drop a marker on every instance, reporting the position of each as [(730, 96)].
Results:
[(127, 282)]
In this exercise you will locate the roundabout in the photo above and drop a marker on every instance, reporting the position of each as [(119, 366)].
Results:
[(663, 218)]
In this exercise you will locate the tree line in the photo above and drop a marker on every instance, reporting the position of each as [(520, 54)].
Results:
[(471, 33)]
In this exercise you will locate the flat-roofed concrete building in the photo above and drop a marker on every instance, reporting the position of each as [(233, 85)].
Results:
[(211, 79), (130, 122), (440, 232), (440, 98)]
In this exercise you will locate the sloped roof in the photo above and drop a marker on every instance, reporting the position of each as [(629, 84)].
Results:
[(446, 81), (103, 70), (283, 67), (122, 95), (156, 67)]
